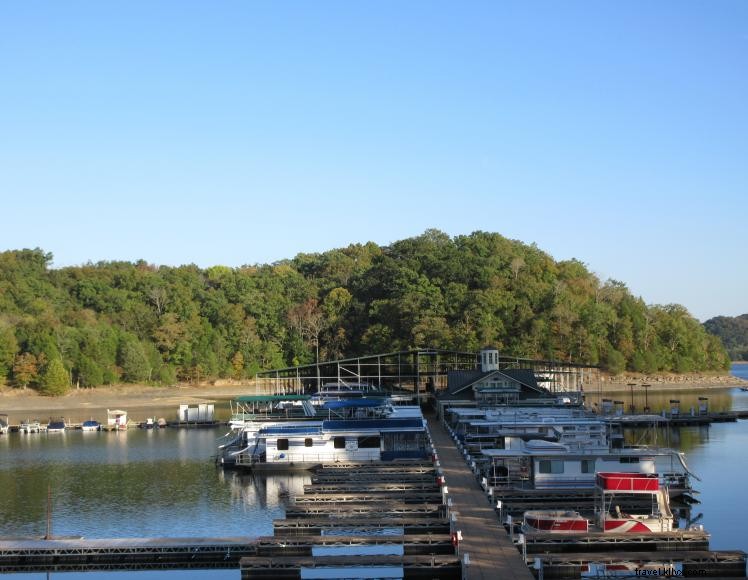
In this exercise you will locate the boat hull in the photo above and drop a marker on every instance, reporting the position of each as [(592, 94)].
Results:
[(559, 522), (283, 467)]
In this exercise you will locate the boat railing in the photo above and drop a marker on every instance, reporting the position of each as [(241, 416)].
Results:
[(245, 458)]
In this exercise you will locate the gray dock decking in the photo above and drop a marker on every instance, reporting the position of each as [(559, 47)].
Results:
[(491, 552)]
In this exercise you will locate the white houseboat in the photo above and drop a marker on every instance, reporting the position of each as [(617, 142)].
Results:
[(556, 448), (300, 445), (116, 419)]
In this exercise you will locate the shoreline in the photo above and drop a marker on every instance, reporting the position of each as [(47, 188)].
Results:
[(669, 382), (14, 401)]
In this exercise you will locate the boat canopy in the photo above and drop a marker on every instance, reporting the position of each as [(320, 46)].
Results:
[(354, 403), (628, 482), (352, 425), (270, 398)]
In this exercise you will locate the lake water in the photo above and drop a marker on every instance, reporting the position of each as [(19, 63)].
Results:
[(135, 483), (143, 483)]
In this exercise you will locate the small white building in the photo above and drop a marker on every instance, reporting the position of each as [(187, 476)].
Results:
[(116, 419)]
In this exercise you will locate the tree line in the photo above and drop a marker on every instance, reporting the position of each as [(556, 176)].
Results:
[(733, 331), (113, 322)]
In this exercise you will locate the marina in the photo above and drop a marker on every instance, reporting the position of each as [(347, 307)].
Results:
[(437, 515)]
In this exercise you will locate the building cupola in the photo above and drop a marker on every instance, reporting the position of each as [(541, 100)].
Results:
[(489, 359)]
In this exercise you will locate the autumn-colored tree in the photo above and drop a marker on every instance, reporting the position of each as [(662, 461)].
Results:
[(25, 369), (309, 321), (237, 364)]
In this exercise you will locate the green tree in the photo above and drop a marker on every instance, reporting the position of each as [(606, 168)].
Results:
[(133, 360), (615, 362), (90, 374), (8, 350), (54, 381)]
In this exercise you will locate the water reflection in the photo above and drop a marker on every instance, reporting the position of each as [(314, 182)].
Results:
[(267, 491), (139, 483), (658, 401)]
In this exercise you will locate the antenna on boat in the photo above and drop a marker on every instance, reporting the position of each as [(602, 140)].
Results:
[(48, 536)]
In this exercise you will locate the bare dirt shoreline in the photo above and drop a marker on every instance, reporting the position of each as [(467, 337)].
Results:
[(670, 382), (121, 396), (144, 397)]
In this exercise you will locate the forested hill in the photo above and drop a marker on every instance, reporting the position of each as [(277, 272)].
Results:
[(135, 322), (734, 334)]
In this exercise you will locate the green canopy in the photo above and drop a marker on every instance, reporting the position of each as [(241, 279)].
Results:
[(270, 398)]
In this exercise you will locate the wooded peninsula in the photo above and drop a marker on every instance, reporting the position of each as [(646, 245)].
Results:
[(114, 322)]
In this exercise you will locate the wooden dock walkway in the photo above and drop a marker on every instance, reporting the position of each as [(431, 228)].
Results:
[(492, 554)]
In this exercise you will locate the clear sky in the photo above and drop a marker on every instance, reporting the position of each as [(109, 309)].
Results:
[(239, 132)]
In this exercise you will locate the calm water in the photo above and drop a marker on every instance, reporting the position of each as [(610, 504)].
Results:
[(164, 483), (136, 483)]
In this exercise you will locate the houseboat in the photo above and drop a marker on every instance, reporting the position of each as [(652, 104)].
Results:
[(301, 445), (556, 448), (539, 464), (116, 419)]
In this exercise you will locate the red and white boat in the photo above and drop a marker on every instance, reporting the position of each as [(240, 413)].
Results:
[(555, 521), (610, 518)]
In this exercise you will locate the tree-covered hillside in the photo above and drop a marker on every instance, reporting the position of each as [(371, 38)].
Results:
[(135, 322), (734, 334)]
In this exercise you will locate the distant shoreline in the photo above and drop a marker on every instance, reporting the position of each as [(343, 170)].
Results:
[(669, 382), (14, 401)]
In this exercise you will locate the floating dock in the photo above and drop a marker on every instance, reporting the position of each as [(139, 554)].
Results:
[(680, 540), (26, 555), (393, 515), (491, 552), (704, 564)]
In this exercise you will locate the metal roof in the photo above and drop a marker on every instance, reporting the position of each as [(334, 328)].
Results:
[(270, 398)]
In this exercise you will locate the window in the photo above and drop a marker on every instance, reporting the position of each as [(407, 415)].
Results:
[(282, 444), (339, 442), (308, 442), (628, 460), (368, 442), (588, 466), (550, 466)]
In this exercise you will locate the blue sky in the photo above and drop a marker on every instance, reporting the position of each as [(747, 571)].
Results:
[(245, 132)]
